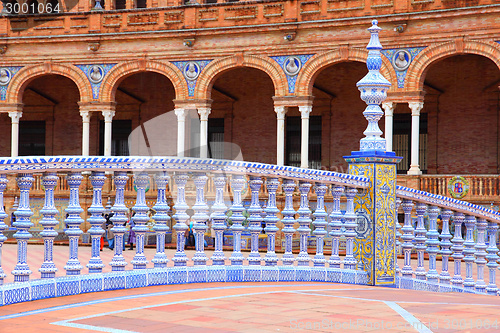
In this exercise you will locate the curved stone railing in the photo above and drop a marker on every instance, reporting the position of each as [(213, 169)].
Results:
[(481, 226), (291, 268)]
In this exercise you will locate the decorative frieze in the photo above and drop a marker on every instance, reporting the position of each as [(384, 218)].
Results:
[(240, 13)]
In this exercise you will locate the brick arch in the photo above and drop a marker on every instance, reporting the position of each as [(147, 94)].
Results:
[(215, 68), (27, 74), (121, 71), (421, 64), (316, 64)]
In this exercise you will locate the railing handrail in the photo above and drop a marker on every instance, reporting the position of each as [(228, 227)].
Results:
[(33, 164), (448, 203)]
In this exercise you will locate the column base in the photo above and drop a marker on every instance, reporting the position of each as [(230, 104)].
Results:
[(414, 170)]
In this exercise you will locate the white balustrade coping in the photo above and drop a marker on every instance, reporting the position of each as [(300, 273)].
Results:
[(448, 203), (32, 164)]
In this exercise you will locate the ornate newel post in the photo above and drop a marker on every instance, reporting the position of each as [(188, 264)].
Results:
[(180, 216), (237, 183), (320, 224), (161, 218), (304, 222), (201, 217), (254, 220), (48, 269), (219, 219), (73, 221), (336, 226), (492, 257), (288, 221), (119, 220), (97, 179), (22, 271), (444, 277), (3, 226), (271, 219), (140, 219), (375, 207)]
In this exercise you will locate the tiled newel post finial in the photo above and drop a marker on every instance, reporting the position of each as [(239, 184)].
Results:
[(375, 207)]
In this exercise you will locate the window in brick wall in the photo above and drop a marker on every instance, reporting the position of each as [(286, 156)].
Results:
[(401, 141), (292, 143), (216, 138), (31, 138), (120, 132), (141, 4), (120, 4)]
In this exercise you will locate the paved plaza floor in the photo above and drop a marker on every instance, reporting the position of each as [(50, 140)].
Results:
[(248, 307)]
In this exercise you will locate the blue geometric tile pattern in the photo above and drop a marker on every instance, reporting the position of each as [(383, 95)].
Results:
[(302, 274), (270, 274), (136, 279), (234, 274), (284, 60), (68, 285), (16, 293), (216, 274), (318, 274), (177, 275), (157, 277), (91, 283), (287, 273), (114, 281), (409, 54), (95, 81), (197, 275), (41, 289), (252, 274), (5, 78), (199, 65)]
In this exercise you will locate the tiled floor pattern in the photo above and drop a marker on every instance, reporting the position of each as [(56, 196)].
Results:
[(254, 307)]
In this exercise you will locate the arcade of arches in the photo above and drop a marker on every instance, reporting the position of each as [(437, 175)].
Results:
[(456, 110)]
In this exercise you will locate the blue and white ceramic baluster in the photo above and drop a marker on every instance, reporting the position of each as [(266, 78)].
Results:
[(141, 181), (432, 243), (398, 236), (23, 213), (349, 261), (470, 223), (444, 277), (119, 220), (408, 236), (420, 239), (3, 226), (458, 249), (73, 221), (288, 221), (255, 220), (180, 216), (336, 226), (219, 219), (481, 255), (48, 269), (161, 218), (201, 216), (492, 257), (320, 223), (271, 259), (304, 220), (96, 219), (237, 183)]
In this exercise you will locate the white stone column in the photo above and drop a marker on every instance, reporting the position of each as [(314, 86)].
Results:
[(85, 132), (181, 131), (280, 145), (389, 119), (415, 134), (204, 112), (14, 147), (305, 110), (108, 121)]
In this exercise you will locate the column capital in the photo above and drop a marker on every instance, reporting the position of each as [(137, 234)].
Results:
[(11, 107), (280, 111), (108, 115), (389, 108), (15, 116), (85, 116), (180, 113), (204, 112), (415, 108), (305, 110)]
